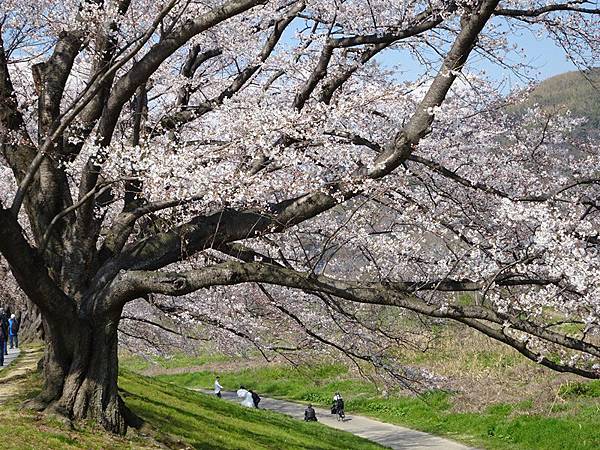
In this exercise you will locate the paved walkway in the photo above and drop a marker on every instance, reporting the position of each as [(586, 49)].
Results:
[(12, 355), (14, 380), (386, 434)]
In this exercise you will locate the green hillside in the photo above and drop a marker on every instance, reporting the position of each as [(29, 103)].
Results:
[(176, 418), (569, 422), (578, 92)]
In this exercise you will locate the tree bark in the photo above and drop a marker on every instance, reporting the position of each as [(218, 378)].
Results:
[(58, 354), (81, 370), (91, 390)]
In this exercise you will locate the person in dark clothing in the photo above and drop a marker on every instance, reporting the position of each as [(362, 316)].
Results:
[(310, 415), (338, 406), (4, 331), (13, 331), (2, 341), (255, 398)]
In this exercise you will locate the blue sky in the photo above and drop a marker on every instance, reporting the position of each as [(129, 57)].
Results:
[(544, 57)]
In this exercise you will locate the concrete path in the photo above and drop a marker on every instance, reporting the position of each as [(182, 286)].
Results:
[(12, 355), (386, 434), (13, 381)]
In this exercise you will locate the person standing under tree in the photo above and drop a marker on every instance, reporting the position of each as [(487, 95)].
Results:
[(218, 387), (2, 341), (13, 331), (4, 331)]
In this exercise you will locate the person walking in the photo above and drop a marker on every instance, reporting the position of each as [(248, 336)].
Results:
[(13, 331), (310, 415), (218, 388)]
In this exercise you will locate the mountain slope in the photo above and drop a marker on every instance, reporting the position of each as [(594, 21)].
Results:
[(578, 92)]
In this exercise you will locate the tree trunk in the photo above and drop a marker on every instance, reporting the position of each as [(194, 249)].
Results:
[(58, 354), (81, 369), (32, 326), (94, 393)]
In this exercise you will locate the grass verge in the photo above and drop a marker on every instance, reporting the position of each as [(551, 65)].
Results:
[(571, 424), (178, 418), (207, 422), (138, 363)]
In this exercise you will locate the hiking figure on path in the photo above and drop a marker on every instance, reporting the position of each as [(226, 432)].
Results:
[(13, 331), (338, 406), (218, 388), (310, 415)]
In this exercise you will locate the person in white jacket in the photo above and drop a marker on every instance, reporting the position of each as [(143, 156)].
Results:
[(218, 387), (247, 397)]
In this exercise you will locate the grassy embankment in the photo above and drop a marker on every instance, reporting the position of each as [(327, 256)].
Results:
[(500, 402), (175, 417), (572, 424)]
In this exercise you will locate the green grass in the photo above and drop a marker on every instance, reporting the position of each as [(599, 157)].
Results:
[(27, 430), (137, 363), (574, 423), (315, 384), (577, 389), (206, 422), (179, 417)]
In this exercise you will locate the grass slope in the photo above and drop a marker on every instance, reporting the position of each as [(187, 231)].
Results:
[(28, 430), (573, 424), (178, 417), (207, 422)]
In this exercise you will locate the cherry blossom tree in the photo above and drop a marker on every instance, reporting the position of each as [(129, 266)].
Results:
[(179, 148)]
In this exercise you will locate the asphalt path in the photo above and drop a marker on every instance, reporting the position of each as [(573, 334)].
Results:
[(392, 436), (12, 354)]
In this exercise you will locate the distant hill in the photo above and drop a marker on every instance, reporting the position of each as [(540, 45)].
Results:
[(578, 92)]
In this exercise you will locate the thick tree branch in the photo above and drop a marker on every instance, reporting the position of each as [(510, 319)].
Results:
[(122, 226), (30, 270), (137, 283), (227, 226), (501, 336)]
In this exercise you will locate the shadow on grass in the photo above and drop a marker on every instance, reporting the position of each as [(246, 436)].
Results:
[(207, 422)]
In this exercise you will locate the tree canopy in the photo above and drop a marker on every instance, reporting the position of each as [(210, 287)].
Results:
[(265, 162)]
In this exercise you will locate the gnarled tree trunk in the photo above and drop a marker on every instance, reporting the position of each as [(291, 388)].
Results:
[(81, 370)]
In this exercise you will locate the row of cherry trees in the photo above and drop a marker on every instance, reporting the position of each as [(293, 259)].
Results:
[(253, 155)]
